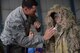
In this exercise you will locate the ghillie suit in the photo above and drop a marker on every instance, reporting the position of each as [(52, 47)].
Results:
[(67, 37)]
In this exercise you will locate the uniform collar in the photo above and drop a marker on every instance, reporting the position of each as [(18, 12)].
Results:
[(22, 13)]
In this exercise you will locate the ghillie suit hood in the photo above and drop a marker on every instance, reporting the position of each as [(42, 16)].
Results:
[(68, 36)]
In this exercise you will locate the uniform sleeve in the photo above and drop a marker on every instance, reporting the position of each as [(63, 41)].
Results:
[(14, 32)]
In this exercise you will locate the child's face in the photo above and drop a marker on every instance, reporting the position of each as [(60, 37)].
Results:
[(61, 21), (58, 19)]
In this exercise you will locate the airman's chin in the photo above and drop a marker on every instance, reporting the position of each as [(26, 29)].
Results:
[(32, 15)]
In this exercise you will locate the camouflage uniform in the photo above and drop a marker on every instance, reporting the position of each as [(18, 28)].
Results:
[(66, 39), (15, 31)]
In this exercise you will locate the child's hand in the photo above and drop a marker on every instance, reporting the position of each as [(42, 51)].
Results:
[(37, 24), (31, 34)]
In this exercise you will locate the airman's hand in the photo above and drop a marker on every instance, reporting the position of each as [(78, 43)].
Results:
[(49, 33)]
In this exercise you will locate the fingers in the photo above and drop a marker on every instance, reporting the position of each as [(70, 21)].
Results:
[(51, 30), (49, 33), (31, 34), (37, 24)]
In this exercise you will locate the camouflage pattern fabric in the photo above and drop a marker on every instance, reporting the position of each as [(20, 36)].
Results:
[(67, 38)]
